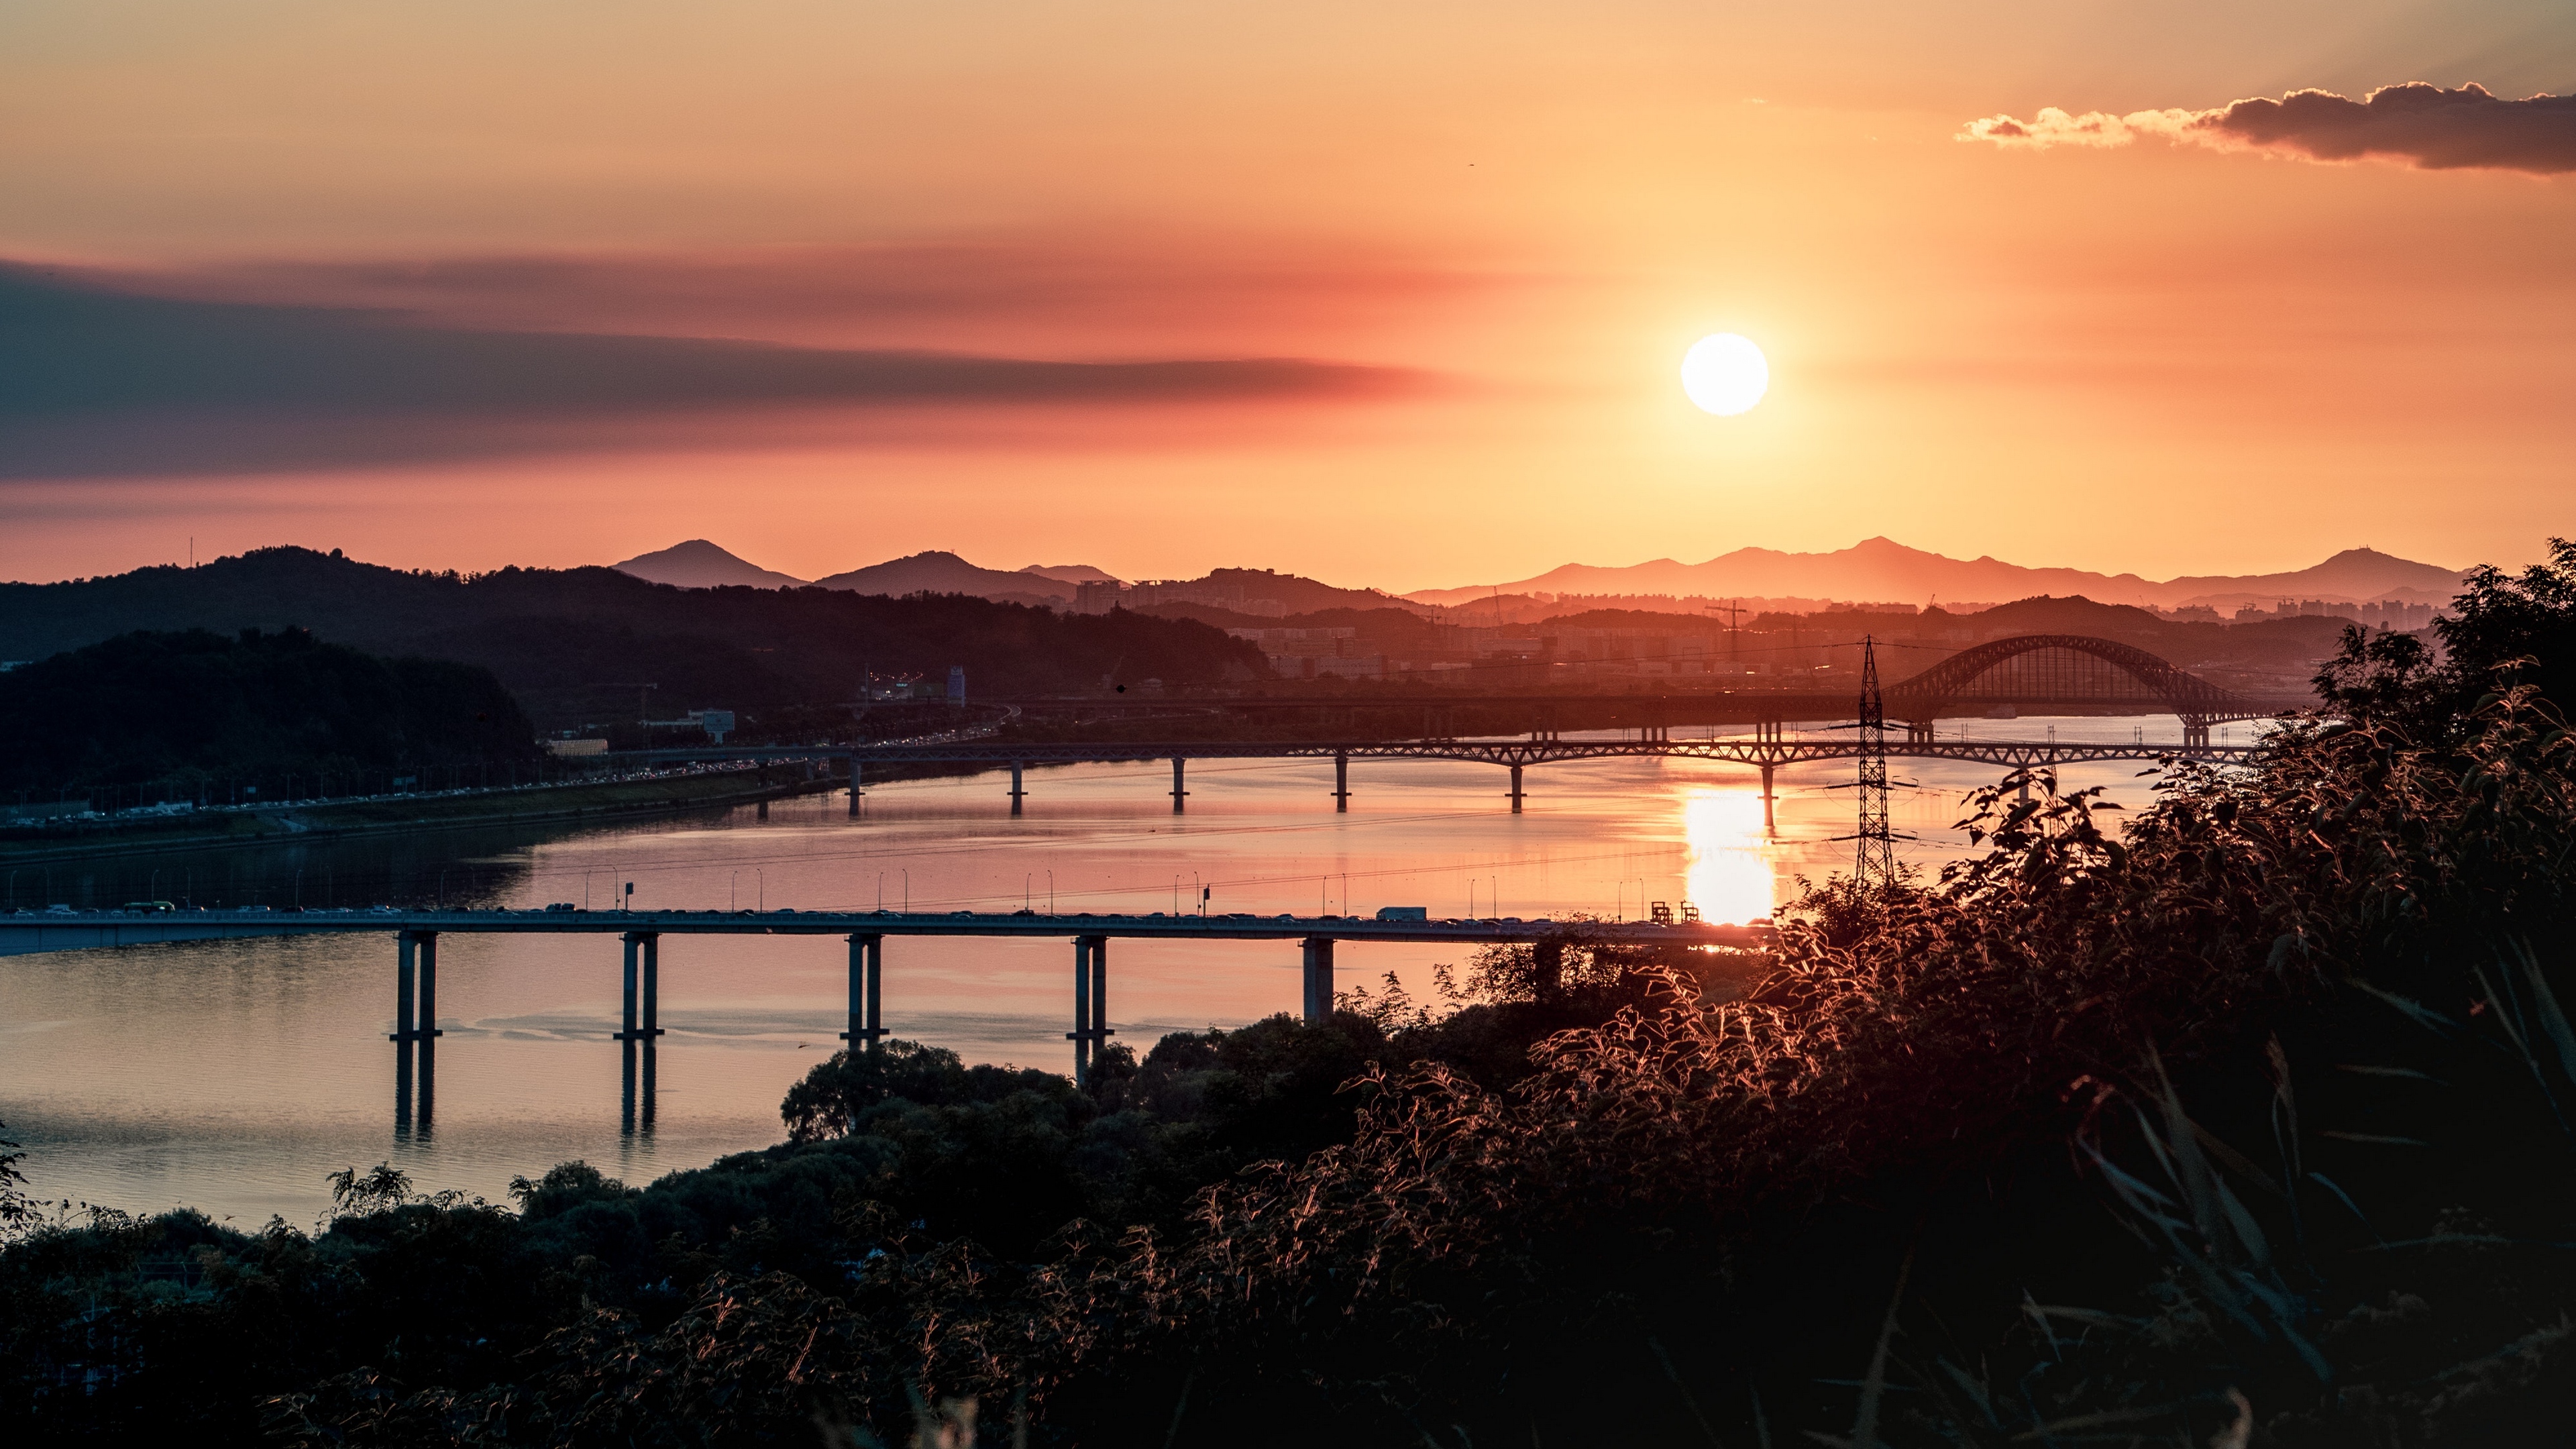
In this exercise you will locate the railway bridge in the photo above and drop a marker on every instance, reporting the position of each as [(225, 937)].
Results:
[(2070, 671), (1768, 749)]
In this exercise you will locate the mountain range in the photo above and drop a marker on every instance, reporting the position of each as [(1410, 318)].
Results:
[(700, 564), (1882, 570), (1877, 570)]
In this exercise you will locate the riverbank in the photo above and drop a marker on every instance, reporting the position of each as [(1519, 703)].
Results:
[(378, 815)]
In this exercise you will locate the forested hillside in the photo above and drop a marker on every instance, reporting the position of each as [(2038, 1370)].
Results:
[(573, 644), (168, 706)]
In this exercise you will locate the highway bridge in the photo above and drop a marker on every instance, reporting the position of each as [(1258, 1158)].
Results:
[(416, 936)]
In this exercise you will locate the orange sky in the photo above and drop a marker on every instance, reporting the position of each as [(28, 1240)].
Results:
[(2157, 358)]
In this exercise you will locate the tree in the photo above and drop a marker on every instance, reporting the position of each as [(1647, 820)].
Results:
[(2503, 629), (17, 1210)]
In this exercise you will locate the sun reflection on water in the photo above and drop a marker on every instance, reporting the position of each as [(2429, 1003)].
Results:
[(1729, 876)]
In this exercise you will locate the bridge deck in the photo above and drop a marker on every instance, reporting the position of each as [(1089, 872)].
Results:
[(29, 932), (1748, 750)]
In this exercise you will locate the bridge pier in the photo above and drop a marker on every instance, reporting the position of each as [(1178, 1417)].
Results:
[(1549, 959), (1769, 825), (647, 1037), (854, 787), (429, 1032), (1516, 789), (644, 950), (415, 1025), (626, 1021), (1091, 1033), (1342, 783), (1319, 978), (636, 1037), (1178, 794), (402, 1034), (2195, 733), (652, 997), (1016, 792), (405, 946), (867, 1005)]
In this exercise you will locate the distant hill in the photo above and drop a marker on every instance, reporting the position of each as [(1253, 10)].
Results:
[(1299, 595), (2356, 575), (698, 564), (1881, 568), (1071, 573), (201, 705), (939, 572), (574, 644)]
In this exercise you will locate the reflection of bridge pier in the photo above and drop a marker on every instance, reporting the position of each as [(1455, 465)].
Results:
[(1769, 732)]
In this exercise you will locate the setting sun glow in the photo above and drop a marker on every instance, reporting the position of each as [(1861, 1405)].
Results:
[(1728, 878), (1725, 374)]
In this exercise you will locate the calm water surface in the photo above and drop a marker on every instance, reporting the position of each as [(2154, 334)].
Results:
[(231, 1076)]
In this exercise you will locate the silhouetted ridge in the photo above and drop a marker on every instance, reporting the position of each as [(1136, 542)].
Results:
[(572, 643)]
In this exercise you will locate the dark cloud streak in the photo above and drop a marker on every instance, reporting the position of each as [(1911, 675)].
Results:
[(68, 349), (96, 381)]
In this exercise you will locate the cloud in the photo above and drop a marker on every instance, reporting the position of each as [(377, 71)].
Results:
[(98, 381), (2423, 125), (1015, 295)]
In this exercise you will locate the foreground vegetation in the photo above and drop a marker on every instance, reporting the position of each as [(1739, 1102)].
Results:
[(2253, 1123)]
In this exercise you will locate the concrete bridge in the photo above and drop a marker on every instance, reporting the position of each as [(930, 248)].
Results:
[(416, 936)]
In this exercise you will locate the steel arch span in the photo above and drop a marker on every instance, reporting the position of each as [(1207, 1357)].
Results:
[(2070, 668)]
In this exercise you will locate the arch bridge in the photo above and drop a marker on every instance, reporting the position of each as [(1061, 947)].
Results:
[(2066, 669)]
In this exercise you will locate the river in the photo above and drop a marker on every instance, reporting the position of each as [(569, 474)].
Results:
[(231, 1076)]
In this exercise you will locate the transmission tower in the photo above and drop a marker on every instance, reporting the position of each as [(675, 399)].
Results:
[(1876, 866)]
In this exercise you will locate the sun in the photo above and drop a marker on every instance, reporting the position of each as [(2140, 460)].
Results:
[(1725, 374)]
